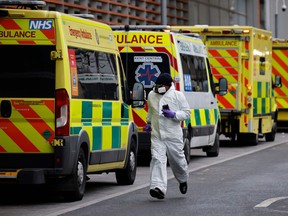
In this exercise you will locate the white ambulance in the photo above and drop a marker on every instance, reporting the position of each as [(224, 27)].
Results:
[(148, 51)]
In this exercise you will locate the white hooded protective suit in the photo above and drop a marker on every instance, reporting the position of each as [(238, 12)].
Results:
[(167, 137)]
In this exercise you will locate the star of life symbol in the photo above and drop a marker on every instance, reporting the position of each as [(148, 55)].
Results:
[(147, 74)]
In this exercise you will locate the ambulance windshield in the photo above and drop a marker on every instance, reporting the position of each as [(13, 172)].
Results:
[(145, 68), (27, 71)]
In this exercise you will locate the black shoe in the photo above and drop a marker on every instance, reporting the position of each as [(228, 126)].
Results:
[(183, 187), (157, 193)]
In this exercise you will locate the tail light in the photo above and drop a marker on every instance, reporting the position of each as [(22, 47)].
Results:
[(249, 98), (62, 113)]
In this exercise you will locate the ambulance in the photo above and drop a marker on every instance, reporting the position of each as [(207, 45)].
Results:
[(280, 67), (243, 55), (148, 51), (65, 106)]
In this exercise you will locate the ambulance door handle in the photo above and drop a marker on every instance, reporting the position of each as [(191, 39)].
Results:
[(5, 108), (122, 110)]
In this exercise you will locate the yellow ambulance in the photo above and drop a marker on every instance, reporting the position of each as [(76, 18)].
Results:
[(243, 55), (280, 68), (65, 106), (148, 51)]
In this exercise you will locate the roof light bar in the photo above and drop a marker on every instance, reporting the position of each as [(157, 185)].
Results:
[(25, 4)]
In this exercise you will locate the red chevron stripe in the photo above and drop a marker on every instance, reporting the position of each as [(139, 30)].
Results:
[(279, 105), (137, 49), (279, 92), (225, 102), (223, 62), (285, 52), (216, 73), (50, 104), (9, 24), (280, 62), (275, 72), (246, 45), (120, 48), (234, 54), (246, 82), (172, 59), (49, 33), (138, 120), (18, 137), (34, 119), (2, 149), (28, 42), (246, 64)]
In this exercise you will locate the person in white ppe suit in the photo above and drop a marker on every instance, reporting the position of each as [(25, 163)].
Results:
[(167, 107)]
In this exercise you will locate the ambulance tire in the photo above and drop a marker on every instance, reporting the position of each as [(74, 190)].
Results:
[(187, 150), (248, 138), (253, 139), (78, 179), (127, 175), (270, 137), (213, 151)]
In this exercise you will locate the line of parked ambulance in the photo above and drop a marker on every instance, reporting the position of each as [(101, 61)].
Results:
[(71, 104)]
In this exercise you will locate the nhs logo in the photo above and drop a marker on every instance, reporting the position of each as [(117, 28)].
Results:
[(40, 24)]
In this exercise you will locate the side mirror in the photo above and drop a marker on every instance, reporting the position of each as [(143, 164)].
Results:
[(278, 82), (222, 86), (138, 95)]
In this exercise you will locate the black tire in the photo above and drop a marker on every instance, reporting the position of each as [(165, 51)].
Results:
[(187, 150), (213, 151), (127, 175), (78, 179), (270, 137), (253, 139), (248, 139)]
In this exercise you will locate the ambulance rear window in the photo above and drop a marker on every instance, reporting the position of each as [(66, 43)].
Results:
[(26, 71), (145, 68)]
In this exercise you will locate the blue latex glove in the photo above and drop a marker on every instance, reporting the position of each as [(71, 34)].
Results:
[(168, 113), (148, 128)]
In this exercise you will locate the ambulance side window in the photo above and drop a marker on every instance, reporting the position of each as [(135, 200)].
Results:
[(194, 71), (124, 83), (96, 74), (212, 84)]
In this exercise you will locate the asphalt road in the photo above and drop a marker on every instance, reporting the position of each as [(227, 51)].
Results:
[(236, 181), (233, 188)]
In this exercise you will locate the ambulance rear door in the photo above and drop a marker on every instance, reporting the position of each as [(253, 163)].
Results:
[(145, 55), (225, 59), (27, 90), (280, 67)]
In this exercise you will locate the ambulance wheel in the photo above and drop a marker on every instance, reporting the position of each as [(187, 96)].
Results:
[(78, 179), (127, 175), (270, 137), (253, 139), (187, 150), (213, 151), (249, 138)]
